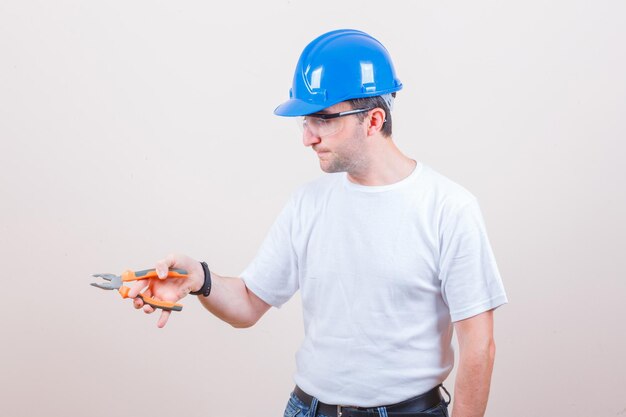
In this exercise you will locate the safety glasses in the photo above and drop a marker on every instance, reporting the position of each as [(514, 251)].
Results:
[(326, 124)]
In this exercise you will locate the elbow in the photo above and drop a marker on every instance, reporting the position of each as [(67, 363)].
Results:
[(488, 347), (249, 312), (244, 324), (483, 351), (241, 325), (490, 352)]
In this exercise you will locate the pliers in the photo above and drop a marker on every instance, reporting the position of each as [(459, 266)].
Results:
[(117, 281)]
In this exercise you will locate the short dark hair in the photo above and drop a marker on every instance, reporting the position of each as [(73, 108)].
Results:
[(373, 102)]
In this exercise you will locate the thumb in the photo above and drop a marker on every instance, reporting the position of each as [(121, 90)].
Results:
[(162, 267)]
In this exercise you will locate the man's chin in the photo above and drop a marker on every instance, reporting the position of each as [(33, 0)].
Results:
[(324, 167), (330, 168)]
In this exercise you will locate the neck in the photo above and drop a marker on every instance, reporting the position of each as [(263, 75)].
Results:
[(383, 164)]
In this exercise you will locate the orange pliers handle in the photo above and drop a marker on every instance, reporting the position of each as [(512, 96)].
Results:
[(129, 275)]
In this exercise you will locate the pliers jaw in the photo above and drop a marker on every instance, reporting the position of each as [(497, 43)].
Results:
[(115, 281)]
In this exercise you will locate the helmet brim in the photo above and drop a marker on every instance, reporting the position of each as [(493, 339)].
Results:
[(294, 107)]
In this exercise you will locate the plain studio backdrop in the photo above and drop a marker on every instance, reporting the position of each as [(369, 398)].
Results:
[(132, 129)]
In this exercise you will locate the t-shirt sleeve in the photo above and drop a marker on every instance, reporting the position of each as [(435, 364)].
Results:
[(273, 273), (470, 280)]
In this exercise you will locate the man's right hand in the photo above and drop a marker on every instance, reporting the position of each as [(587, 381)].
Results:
[(169, 289)]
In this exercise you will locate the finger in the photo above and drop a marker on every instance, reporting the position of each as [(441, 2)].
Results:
[(136, 288), (164, 265), (147, 308), (165, 315), (137, 303)]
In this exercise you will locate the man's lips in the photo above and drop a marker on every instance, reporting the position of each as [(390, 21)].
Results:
[(320, 151)]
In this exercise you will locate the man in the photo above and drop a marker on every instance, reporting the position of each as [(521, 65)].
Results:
[(389, 256)]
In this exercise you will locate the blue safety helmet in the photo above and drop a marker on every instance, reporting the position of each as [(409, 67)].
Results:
[(337, 66)]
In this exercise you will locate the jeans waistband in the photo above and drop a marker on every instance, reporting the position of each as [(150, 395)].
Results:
[(416, 404)]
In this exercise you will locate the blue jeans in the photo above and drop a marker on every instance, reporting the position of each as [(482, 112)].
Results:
[(296, 408)]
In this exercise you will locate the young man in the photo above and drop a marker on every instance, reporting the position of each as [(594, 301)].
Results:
[(390, 256)]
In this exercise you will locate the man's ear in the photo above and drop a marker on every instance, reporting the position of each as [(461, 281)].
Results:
[(376, 121)]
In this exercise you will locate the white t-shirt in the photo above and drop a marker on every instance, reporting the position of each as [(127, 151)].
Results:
[(383, 272)]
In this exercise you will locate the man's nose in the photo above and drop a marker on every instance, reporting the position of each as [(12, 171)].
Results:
[(309, 138)]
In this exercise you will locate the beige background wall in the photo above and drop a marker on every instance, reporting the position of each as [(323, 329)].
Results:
[(130, 129)]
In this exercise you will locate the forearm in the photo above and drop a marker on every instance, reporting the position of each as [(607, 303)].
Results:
[(231, 301), (473, 379)]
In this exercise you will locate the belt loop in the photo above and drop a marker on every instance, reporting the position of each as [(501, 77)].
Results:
[(313, 409), (382, 411), (449, 396)]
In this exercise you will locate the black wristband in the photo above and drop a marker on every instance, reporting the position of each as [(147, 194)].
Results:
[(206, 287)]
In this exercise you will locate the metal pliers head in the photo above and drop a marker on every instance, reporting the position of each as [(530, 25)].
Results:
[(115, 281)]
